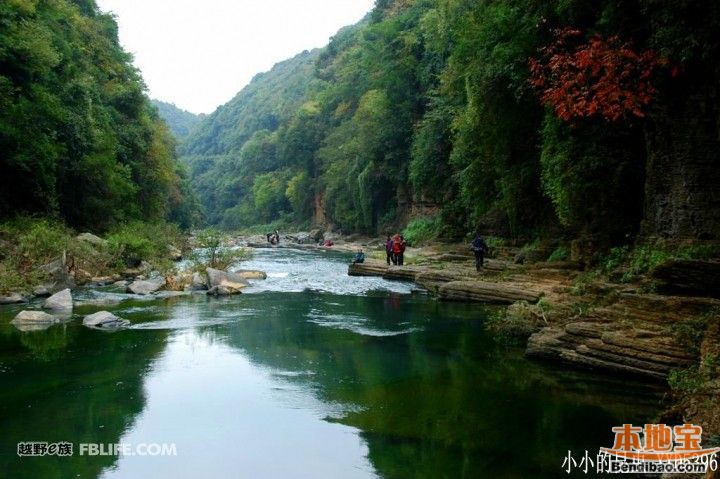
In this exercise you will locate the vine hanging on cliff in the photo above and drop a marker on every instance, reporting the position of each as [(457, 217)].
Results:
[(603, 76)]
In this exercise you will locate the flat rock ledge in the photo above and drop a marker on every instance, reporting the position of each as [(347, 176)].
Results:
[(450, 285), (632, 337), (487, 292)]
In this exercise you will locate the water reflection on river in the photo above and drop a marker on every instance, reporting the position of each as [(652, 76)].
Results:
[(311, 374)]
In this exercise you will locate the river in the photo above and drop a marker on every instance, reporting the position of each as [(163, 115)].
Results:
[(310, 374)]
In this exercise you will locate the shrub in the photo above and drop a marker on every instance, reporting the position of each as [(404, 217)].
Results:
[(135, 242), (421, 230), (212, 252)]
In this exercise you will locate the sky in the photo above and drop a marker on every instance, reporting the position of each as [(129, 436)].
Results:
[(199, 53)]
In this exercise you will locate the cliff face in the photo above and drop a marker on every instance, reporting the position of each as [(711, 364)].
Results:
[(682, 192)]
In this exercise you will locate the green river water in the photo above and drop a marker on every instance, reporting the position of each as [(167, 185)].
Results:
[(310, 374)]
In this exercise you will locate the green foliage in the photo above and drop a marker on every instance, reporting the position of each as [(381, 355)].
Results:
[(79, 138), (514, 324), (40, 241), (561, 253), (214, 253), (135, 242), (421, 230), (180, 122), (695, 377), (429, 101), (268, 193)]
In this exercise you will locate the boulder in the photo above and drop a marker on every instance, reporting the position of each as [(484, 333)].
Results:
[(486, 292), (198, 282), (42, 290), (105, 320), (121, 284), (145, 287), (102, 280), (12, 298), (222, 282), (33, 320), (223, 290), (251, 274), (91, 238), (61, 302)]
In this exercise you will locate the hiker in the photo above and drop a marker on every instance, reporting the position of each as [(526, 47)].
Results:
[(479, 247), (401, 256), (396, 249), (388, 249), (359, 257)]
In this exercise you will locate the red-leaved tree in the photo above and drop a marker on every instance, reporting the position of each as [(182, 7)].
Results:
[(603, 76)]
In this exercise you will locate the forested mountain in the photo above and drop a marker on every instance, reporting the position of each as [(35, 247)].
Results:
[(181, 122), (78, 137), (521, 118), (241, 155)]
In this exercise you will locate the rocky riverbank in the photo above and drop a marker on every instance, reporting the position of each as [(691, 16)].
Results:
[(669, 333)]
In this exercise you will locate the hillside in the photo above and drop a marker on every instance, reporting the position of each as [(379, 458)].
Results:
[(236, 144), (575, 120), (78, 137), (181, 122)]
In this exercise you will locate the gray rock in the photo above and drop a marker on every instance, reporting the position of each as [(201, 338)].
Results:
[(145, 287), (61, 302), (12, 298), (33, 320), (224, 283), (223, 290), (91, 238), (43, 290), (251, 274), (121, 284), (198, 282), (105, 320)]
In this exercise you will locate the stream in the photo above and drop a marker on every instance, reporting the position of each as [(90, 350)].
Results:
[(308, 374)]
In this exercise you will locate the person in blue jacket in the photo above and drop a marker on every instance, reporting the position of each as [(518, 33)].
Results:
[(480, 248)]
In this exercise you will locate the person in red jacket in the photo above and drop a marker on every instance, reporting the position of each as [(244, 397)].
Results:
[(401, 256), (396, 249)]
